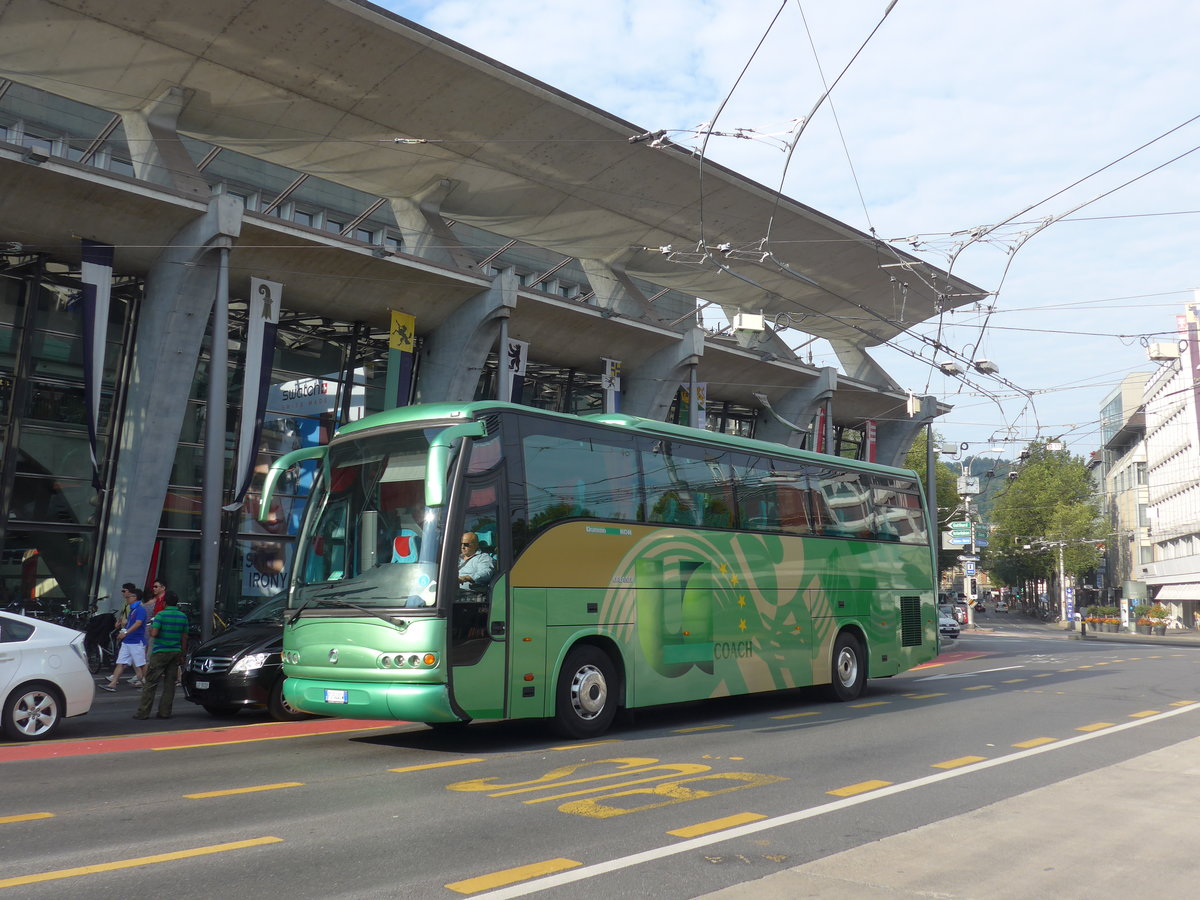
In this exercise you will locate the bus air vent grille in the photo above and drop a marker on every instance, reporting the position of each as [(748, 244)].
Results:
[(910, 621)]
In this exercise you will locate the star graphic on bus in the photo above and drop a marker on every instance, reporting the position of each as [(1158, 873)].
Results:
[(741, 624)]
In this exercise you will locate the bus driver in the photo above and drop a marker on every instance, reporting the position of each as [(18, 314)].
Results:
[(475, 570)]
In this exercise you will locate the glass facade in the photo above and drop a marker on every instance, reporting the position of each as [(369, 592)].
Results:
[(49, 533)]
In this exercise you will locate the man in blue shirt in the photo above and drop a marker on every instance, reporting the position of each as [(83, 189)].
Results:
[(133, 644)]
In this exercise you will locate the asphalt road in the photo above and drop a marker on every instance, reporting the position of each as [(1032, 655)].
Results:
[(677, 803)]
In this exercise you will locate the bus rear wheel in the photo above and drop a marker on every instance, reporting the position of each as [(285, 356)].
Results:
[(849, 669), (585, 701)]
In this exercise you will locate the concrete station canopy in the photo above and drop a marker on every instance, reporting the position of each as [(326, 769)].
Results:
[(325, 86)]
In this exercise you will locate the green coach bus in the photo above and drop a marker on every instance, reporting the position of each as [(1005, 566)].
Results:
[(618, 562)]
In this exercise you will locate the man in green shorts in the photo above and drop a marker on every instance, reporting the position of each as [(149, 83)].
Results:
[(170, 632)]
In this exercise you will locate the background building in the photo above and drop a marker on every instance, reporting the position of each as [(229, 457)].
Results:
[(1123, 455), (349, 166), (1172, 398)]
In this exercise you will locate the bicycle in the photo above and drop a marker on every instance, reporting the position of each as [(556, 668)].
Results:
[(100, 640)]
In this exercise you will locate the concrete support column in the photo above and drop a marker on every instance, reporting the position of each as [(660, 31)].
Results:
[(614, 289), (797, 406), (425, 231), (648, 390), (157, 153), (861, 367), (895, 435), (174, 315), (454, 353)]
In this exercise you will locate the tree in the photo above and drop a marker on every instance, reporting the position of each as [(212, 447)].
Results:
[(1049, 500)]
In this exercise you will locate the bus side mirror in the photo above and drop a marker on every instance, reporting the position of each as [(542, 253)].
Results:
[(278, 467), (438, 466)]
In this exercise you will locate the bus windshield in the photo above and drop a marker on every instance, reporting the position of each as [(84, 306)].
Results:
[(372, 541)]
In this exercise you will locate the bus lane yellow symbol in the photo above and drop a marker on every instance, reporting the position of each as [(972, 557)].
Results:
[(616, 781)]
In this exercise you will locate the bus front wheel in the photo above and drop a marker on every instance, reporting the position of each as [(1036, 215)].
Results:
[(849, 668), (585, 702)]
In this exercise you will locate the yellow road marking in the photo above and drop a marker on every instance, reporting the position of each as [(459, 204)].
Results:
[(959, 763), (1015, 680), (1183, 702), (872, 703), (1035, 742), (861, 788), (246, 790), (795, 715), (1077, 667), (716, 825), (1095, 726), (136, 862), (512, 876), (270, 737), (701, 728), (586, 746), (979, 687), (1143, 714), (439, 765), (1044, 675), (924, 696), (25, 817)]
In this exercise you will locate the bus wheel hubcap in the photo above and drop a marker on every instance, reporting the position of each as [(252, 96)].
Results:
[(847, 667), (589, 692)]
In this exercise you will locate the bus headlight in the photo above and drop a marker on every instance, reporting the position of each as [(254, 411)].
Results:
[(408, 660)]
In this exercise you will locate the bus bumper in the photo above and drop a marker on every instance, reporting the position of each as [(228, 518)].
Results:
[(359, 700)]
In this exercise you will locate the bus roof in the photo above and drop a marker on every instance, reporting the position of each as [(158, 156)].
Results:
[(450, 413)]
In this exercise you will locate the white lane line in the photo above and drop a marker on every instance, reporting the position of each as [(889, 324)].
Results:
[(646, 856), (969, 674)]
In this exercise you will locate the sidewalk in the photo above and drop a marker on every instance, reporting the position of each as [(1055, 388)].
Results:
[(1037, 844)]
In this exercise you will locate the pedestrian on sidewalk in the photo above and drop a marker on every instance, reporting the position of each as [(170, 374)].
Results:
[(170, 632), (133, 643)]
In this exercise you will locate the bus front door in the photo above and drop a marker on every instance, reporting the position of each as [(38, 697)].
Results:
[(479, 618)]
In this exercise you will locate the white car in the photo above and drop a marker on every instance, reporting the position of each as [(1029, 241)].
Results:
[(44, 677), (948, 626)]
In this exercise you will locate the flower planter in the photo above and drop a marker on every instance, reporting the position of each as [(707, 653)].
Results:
[(1143, 629), (1160, 629)]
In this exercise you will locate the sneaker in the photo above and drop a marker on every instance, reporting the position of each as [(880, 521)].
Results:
[(135, 681), (105, 686)]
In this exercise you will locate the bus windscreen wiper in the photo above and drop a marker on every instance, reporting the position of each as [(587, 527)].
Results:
[(363, 610)]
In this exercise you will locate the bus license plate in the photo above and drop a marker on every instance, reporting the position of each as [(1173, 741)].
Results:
[(336, 697), (202, 685)]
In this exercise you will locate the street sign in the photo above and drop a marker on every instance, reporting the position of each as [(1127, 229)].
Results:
[(968, 568), (960, 526), (981, 542), (959, 539), (968, 559)]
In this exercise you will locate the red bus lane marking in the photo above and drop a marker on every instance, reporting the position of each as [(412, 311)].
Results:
[(951, 657), (176, 740)]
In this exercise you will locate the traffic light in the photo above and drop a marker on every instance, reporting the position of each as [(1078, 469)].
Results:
[(974, 586)]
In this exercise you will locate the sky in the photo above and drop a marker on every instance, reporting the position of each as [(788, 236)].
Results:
[(1075, 124)]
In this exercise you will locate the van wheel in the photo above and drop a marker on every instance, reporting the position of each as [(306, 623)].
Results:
[(585, 700), (280, 709), (849, 668)]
